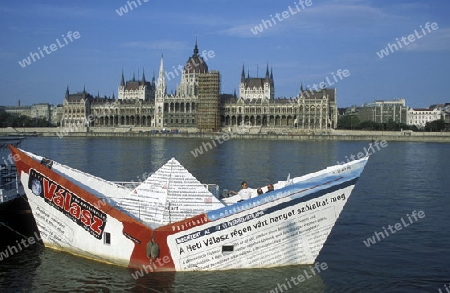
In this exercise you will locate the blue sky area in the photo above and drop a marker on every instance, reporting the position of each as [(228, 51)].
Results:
[(309, 44)]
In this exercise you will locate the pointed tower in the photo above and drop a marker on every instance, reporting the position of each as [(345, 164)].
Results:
[(271, 76), (143, 76), (67, 93), (195, 47), (272, 85), (267, 84), (242, 84), (161, 84), (161, 91), (121, 89)]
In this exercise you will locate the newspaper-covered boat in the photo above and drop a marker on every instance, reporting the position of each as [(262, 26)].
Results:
[(172, 222)]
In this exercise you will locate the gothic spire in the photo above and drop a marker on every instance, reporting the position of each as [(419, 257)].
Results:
[(267, 71), (161, 65), (196, 47), (67, 92), (143, 76), (161, 85), (243, 74), (122, 81), (271, 76)]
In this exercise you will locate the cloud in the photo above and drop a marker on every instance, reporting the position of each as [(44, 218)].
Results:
[(203, 20), (243, 31), (34, 30), (60, 10), (156, 45), (438, 40), (331, 16)]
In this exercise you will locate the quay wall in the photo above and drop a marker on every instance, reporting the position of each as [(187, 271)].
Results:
[(343, 135)]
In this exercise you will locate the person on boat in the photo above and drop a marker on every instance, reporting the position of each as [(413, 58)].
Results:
[(259, 191), (269, 188), (244, 193)]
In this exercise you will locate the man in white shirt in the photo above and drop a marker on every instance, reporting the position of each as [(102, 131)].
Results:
[(244, 193)]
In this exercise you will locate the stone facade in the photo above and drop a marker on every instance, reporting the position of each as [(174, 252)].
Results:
[(381, 111), (254, 88), (198, 103), (51, 113), (310, 110), (420, 117), (42, 110), (136, 89), (77, 108), (18, 110), (446, 116), (56, 115)]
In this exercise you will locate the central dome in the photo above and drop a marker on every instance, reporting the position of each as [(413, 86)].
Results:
[(195, 63)]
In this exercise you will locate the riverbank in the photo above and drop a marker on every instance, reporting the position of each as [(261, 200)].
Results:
[(262, 134)]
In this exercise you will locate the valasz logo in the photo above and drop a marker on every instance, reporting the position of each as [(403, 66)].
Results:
[(85, 215)]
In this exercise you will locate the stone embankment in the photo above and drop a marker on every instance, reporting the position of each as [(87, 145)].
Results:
[(268, 134)]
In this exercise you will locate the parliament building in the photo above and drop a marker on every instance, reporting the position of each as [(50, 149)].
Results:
[(198, 104)]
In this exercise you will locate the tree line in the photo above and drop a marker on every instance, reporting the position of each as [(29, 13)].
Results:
[(13, 120), (353, 122)]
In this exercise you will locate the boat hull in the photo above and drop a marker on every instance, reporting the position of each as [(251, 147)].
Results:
[(286, 231), (287, 226)]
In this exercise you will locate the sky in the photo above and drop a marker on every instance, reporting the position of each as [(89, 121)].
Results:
[(309, 43)]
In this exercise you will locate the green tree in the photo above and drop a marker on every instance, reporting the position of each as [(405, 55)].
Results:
[(391, 125), (12, 120), (436, 125), (370, 125), (349, 122)]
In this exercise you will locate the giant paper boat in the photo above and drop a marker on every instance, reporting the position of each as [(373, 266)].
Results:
[(172, 222)]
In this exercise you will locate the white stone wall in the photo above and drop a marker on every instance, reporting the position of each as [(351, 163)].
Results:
[(420, 117)]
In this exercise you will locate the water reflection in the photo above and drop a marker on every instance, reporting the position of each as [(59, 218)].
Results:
[(227, 164), (47, 270), (236, 281), (18, 271)]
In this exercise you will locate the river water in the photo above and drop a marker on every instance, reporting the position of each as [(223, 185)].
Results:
[(400, 178)]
